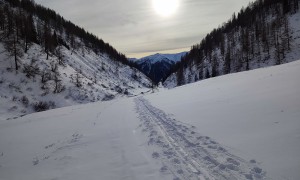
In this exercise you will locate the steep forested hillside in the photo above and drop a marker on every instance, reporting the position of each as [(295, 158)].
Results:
[(48, 62), (265, 33)]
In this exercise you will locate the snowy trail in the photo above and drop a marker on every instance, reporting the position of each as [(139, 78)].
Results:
[(128, 138), (188, 155)]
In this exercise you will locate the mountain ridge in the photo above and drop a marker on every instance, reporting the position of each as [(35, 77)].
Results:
[(48, 62), (157, 66), (160, 56), (265, 33)]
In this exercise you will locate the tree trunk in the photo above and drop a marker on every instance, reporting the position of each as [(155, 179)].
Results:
[(15, 54), (26, 45)]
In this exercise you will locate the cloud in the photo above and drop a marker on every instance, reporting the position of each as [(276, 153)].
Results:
[(132, 26)]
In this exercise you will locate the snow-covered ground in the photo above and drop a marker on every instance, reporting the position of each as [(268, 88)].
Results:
[(238, 126), (256, 114), (100, 77)]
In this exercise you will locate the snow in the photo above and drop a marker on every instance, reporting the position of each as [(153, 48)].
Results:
[(152, 59), (79, 142), (187, 154), (255, 113), (239, 126), (191, 73), (113, 80), (74, 73)]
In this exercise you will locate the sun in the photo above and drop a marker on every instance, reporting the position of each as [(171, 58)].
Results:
[(165, 7)]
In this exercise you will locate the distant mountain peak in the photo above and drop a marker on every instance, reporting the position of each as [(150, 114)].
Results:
[(161, 57), (157, 66)]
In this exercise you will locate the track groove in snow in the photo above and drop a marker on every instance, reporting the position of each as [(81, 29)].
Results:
[(188, 155)]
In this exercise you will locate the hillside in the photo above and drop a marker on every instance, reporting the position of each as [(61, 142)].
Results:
[(265, 33), (48, 62), (239, 126), (158, 66)]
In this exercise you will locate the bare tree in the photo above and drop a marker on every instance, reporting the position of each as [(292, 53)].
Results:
[(31, 69), (59, 55), (78, 81), (47, 39), (13, 49), (58, 86), (54, 67), (45, 77), (95, 78)]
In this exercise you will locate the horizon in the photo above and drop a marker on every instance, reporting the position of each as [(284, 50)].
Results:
[(225, 106), (137, 30)]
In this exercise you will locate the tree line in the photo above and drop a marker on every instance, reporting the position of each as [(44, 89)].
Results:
[(23, 22), (257, 34)]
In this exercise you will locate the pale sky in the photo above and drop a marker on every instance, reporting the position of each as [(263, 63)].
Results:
[(134, 28)]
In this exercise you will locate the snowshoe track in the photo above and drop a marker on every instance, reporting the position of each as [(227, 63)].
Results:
[(188, 155)]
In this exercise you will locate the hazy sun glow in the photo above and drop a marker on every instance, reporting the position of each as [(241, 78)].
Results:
[(165, 7)]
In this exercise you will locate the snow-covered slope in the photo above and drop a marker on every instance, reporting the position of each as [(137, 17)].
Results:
[(80, 68), (259, 36), (158, 66), (255, 113), (99, 77), (238, 126)]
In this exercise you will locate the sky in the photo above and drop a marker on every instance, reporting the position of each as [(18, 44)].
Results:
[(136, 29)]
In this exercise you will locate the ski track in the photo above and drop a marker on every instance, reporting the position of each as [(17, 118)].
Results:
[(188, 155)]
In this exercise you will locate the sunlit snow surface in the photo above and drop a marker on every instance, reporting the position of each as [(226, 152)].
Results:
[(249, 122)]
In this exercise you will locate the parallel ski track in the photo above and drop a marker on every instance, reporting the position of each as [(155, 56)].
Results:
[(188, 155)]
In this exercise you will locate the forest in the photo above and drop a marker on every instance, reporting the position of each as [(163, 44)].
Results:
[(250, 39), (18, 30)]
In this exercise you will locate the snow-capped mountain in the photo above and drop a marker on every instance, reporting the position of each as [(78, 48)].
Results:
[(58, 66), (161, 57), (157, 66)]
